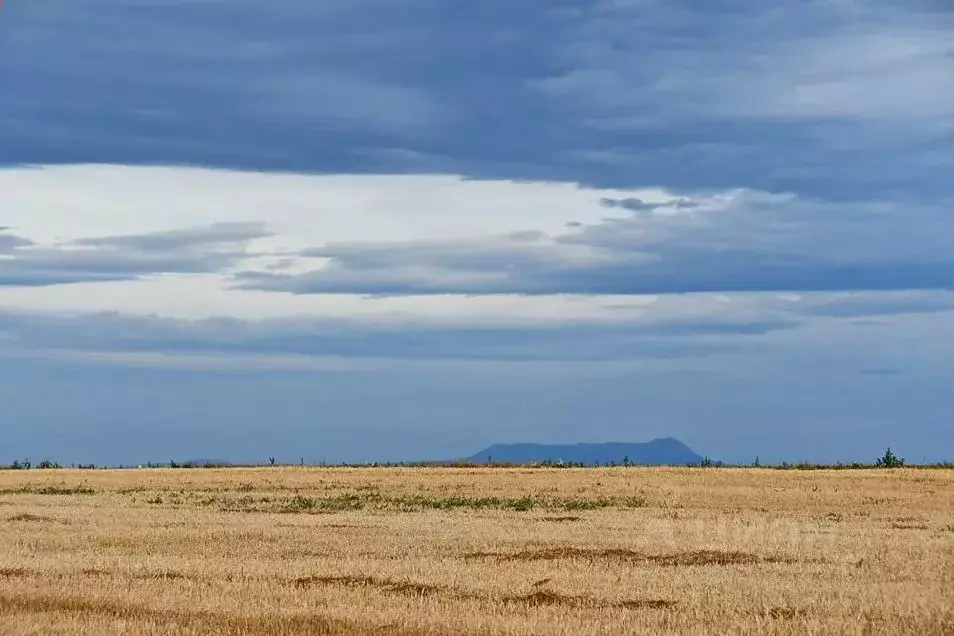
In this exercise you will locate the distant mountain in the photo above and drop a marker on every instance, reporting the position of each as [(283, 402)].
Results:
[(659, 452)]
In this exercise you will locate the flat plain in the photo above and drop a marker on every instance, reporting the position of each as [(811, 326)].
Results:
[(477, 551)]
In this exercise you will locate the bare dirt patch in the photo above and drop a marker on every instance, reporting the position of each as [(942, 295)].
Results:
[(404, 588), (95, 572), (162, 576), (30, 518), (546, 598), (677, 559), (537, 598), (14, 573)]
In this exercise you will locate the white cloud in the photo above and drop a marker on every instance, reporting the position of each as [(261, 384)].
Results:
[(171, 242), (52, 206), (70, 202)]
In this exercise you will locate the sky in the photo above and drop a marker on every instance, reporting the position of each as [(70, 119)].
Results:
[(382, 230)]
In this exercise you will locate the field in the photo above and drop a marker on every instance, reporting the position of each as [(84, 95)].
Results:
[(477, 551)]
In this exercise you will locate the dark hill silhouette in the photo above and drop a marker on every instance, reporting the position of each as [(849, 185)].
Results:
[(658, 452)]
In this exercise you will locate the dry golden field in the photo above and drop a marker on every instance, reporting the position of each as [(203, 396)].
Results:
[(477, 551)]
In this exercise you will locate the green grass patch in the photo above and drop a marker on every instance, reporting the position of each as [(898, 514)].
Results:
[(331, 504), (410, 503), (51, 490)]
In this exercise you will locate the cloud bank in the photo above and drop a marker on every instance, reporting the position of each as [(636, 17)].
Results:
[(825, 97), (738, 242), (552, 272)]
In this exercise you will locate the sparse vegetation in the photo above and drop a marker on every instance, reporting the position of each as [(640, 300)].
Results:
[(50, 490), (65, 490), (705, 462), (889, 460), (409, 503)]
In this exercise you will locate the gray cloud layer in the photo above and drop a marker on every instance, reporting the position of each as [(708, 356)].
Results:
[(820, 96), (749, 241), (128, 257), (695, 327), (109, 332)]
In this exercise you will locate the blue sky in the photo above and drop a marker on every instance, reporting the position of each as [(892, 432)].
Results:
[(400, 230)]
